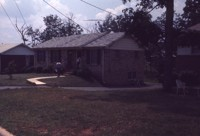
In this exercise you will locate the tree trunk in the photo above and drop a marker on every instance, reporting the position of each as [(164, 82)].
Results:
[(168, 67)]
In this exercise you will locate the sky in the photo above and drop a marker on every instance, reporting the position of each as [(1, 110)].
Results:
[(34, 11)]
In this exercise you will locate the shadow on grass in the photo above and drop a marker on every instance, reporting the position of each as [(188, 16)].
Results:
[(158, 101)]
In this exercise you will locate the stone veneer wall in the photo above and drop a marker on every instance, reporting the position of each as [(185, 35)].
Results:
[(118, 64)]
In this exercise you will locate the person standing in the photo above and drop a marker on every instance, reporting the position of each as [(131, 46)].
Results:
[(58, 68), (78, 62)]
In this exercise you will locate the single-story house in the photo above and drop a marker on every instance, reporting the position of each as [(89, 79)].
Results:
[(113, 58), (20, 54), (188, 50)]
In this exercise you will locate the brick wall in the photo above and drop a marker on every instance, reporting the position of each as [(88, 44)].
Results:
[(118, 64)]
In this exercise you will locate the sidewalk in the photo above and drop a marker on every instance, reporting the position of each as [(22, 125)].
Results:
[(148, 87), (4, 132), (36, 81)]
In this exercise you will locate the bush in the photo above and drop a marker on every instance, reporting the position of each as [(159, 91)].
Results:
[(39, 69), (48, 69), (191, 78), (29, 69), (84, 73)]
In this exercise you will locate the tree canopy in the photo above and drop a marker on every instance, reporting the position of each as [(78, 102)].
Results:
[(56, 27), (169, 4), (191, 13)]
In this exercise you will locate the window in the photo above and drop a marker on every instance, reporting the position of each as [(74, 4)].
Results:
[(41, 56), (94, 57), (131, 75), (55, 56)]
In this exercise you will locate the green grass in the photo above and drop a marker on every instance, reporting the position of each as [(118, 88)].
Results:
[(18, 79), (71, 81), (57, 112)]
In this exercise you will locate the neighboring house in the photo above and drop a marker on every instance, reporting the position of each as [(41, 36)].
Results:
[(20, 54), (188, 51), (113, 58)]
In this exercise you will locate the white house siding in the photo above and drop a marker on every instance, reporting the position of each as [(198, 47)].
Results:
[(188, 51), (184, 51), (125, 43)]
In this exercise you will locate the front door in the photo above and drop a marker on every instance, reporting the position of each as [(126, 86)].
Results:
[(71, 60)]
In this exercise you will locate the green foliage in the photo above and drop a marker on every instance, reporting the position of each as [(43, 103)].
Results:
[(11, 69), (191, 14), (56, 27), (148, 4), (169, 4), (137, 23), (34, 34)]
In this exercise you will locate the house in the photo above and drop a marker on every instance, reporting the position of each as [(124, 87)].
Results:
[(113, 58), (20, 54), (188, 51)]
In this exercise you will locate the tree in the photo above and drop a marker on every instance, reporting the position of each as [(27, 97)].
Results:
[(56, 27), (191, 13), (34, 34), (169, 4), (53, 25), (22, 31)]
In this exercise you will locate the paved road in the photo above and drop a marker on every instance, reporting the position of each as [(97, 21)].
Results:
[(4, 132)]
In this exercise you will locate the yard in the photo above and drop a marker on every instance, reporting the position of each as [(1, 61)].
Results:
[(68, 81), (57, 112), (18, 79)]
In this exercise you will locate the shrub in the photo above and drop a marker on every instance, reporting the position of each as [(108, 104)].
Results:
[(29, 69), (48, 69), (38, 69), (84, 73)]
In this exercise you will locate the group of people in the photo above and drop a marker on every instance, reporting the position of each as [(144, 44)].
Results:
[(59, 68)]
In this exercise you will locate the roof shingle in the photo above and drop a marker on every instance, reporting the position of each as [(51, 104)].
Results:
[(85, 40), (195, 28)]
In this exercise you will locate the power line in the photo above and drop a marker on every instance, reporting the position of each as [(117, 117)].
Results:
[(66, 16), (9, 18), (20, 12), (98, 7)]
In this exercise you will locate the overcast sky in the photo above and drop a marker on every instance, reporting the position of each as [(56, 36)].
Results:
[(34, 10)]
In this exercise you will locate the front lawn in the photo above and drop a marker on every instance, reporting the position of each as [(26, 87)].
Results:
[(68, 81), (18, 79), (57, 112), (71, 81)]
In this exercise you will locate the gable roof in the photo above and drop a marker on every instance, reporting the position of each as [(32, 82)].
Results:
[(6, 47), (84, 40), (195, 28), (9, 46)]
